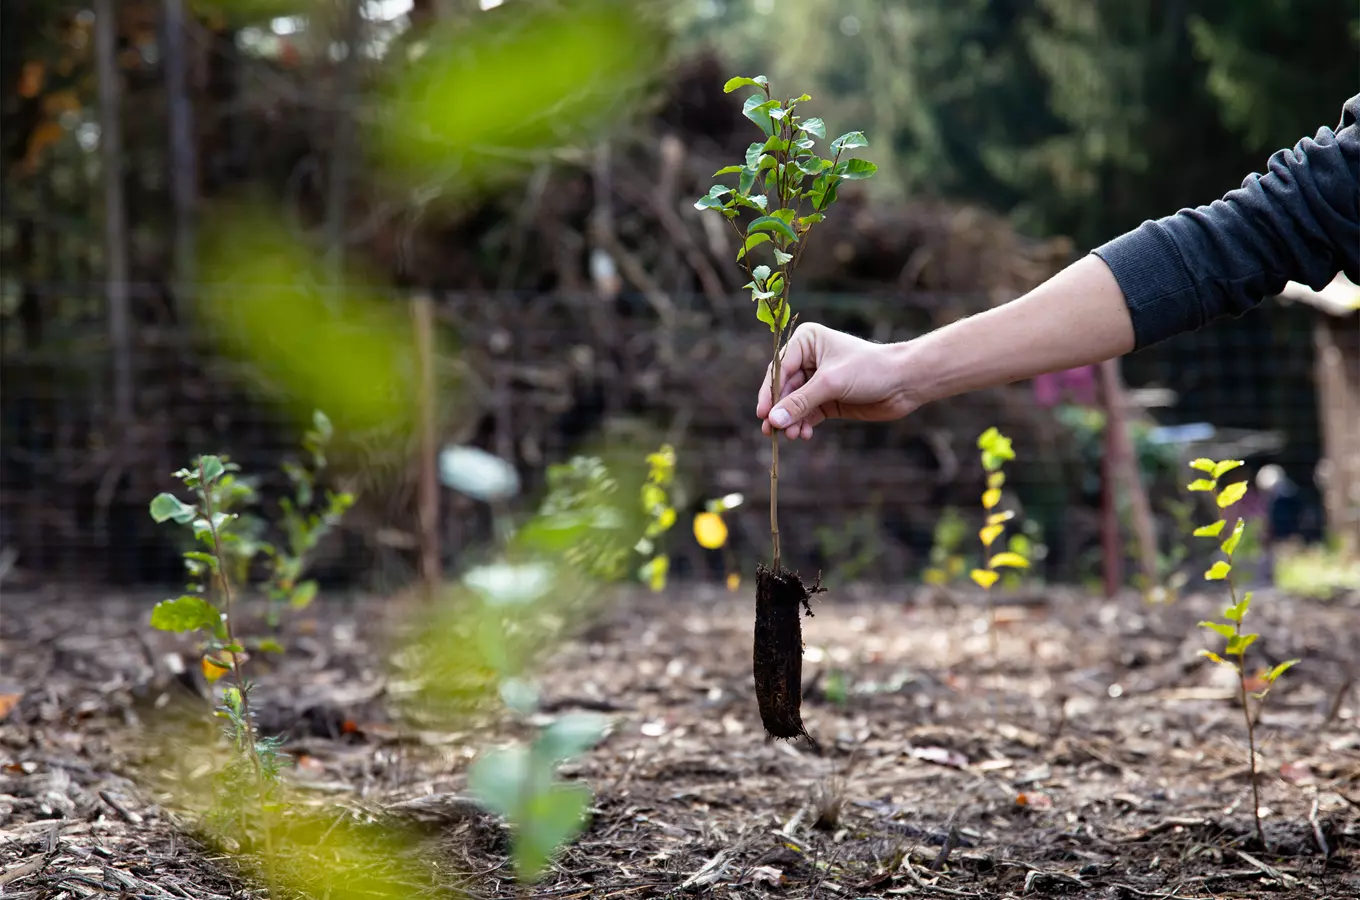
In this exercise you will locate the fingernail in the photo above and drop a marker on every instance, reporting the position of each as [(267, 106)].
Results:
[(780, 417)]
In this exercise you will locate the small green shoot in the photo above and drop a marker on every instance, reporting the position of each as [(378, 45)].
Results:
[(1237, 640)]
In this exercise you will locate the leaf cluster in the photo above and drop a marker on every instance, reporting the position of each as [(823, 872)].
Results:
[(1230, 629), (785, 186), (995, 450)]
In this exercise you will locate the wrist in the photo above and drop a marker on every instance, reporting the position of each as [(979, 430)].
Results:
[(914, 371)]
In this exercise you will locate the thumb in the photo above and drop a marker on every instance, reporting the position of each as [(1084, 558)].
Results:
[(804, 403)]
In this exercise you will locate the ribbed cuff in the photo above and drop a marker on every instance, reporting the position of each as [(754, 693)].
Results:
[(1155, 281)]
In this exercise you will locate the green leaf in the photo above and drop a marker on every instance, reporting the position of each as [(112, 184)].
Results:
[(757, 109), (169, 507), (772, 224), (187, 613), (498, 779), (727, 170), (752, 241), (212, 468), (570, 736), (849, 141), (713, 199), (823, 192), (764, 314), (303, 595), (1238, 644), (1229, 545), (1226, 466), (1201, 484), (996, 479), (1210, 530), (321, 424), (269, 645), (205, 559), (1237, 612), (814, 126), (1218, 571), (740, 81), (760, 274), (776, 144), (808, 221), (551, 819), (1204, 465), (753, 154), (855, 169), (783, 258), (813, 165), (746, 182), (1279, 670), (1226, 631), (1231, 494)]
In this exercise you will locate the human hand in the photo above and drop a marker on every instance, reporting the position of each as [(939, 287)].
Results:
[(827, 374)]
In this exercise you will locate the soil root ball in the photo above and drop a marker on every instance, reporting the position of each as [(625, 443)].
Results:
[(777, 660)]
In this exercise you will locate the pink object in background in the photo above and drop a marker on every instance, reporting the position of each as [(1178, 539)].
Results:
[(1074, 385)]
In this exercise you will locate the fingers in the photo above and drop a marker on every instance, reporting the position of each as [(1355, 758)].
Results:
[(800, 350)]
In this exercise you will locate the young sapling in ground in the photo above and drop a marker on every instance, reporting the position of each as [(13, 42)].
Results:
[(1237, 640), (782, 206), (995, 450)]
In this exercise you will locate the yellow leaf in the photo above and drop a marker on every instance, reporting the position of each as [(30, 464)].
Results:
[(1210, 530), (1014, 560), (733, 580), (984, 577), (990, 533), (1231, 494), (991, 498), (998, 518), (1218, 571), (213, 669), (1201, 484), (710, 530), (1204, 465), (996, 479), (934, 576)]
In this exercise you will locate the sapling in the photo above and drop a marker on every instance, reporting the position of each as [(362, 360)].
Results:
[(995, 450), (782, 207), (1237, 640)]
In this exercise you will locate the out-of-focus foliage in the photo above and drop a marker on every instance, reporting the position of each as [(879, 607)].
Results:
[(1081, 117), (479, 92)]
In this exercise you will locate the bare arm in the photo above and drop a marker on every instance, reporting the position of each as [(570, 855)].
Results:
[(1076, 318)]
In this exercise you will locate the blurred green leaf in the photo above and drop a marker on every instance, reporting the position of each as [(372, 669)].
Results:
[(551, 819), (1229, 545), (569, 736), (733, 84), (1210, 530), (1279, 670), (1231, 494), (490, 90), (1226, 631), (1238, 644), (187, 613), (303, 595), (1218, 571), (167, 507)]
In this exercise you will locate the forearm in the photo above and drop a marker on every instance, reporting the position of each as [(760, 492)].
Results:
[(1076, 318)]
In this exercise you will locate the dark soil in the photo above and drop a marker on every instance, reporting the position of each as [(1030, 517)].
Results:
[(777, 651), (1097, 757)]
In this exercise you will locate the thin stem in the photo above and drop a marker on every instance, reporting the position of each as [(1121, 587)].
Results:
[(1246, 714), (775, 391)]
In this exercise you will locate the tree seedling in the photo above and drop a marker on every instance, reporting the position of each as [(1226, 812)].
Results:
[(996, 451), (781, 207), (1237, 640)]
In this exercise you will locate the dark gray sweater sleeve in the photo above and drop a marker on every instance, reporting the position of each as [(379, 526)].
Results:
[(1300, 221)]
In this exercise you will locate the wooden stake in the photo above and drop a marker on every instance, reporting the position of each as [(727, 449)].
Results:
[(422, 314), (1125, 468)]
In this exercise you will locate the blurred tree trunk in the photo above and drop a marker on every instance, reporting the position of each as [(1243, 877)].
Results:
[(342, 148), (115, 224), (183, 151)]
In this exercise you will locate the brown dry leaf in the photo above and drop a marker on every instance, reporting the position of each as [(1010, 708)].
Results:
[(765, 875), (7, 704), (32, 80)]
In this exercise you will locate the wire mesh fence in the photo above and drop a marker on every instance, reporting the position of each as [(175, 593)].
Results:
[(537, 378)]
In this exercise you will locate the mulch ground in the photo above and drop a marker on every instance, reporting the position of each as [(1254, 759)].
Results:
[(1095, 756)]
